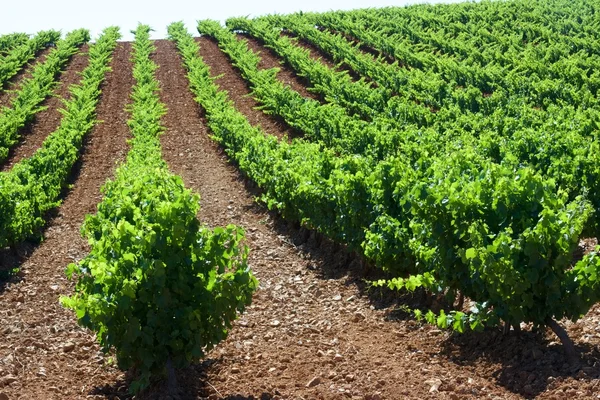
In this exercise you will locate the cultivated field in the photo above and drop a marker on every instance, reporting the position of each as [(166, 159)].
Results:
[(418, 189)]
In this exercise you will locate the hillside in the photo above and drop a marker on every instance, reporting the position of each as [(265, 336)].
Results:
[(418, 187)]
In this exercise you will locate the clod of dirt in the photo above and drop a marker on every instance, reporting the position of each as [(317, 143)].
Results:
[(434, 384), (314, 382), (7, 380), (358, 316), (69, 346)]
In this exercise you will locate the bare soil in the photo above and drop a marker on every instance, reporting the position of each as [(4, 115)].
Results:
[(270, 59), (14, 83), (231, 81), (313, 330), (48, 120), (44, 354)]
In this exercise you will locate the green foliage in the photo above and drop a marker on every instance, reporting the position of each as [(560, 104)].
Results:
[(474, 213), (157, 286), (357, 97), (10, 41), (21, 52), (518, 47), (502, 127), (33, 91), (33, 186)]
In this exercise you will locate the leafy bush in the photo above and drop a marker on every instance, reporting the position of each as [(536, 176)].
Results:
[(33, 185), (157, 286), (20, 54), (34, 90), (457, 221)]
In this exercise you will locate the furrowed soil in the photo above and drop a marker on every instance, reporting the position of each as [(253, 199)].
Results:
[(14, 83), (233, 83), (312, 331), (44, 354), (48, 120)]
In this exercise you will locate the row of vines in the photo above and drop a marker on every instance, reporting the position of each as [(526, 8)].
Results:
[(461, 156), (476, 178)]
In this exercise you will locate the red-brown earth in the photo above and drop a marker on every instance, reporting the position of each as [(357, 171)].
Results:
[(14, 83), (47, 121), (313, 330)]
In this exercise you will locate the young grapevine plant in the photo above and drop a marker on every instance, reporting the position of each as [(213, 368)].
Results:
[(157, 286)]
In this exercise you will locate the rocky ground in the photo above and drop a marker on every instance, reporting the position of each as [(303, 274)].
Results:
[(313, 331)]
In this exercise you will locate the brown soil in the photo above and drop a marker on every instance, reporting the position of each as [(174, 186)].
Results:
[(326, 58), (312, 331), (231, 81), (270, 59), (44, 354), (48, 120), (14, 83), (311, 317), (315, 52)]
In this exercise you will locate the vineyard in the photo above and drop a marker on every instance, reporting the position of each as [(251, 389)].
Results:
[(372, 204)]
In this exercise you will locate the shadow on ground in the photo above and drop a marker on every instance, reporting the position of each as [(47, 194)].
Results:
[(192, 384), (12, 258), (526, 363)]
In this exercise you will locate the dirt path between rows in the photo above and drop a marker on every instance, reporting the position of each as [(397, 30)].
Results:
[(270, 59), (311, 332), (235, 83), (317, 54), (48, 120), (14, 83), (44, 354)]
